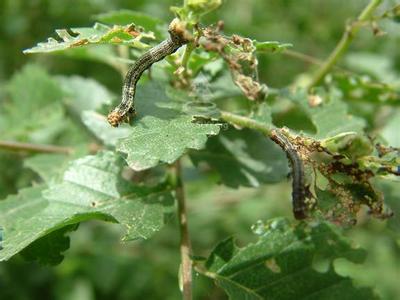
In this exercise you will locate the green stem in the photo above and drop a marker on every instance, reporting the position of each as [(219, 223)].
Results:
[(188, 51), (25, 147), (341, 47), (123, 52), (245, 122), (185, 245)]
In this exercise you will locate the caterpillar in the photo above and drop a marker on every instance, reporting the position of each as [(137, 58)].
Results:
[(299, 190), (126, 109)]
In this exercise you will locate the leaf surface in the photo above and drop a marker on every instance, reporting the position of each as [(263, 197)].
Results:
[(91, 189), (161, 132), (98, 34), (327, 112), (287, 262), (243, 158)]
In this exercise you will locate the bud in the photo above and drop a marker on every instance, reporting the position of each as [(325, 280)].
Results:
[(201, 7)]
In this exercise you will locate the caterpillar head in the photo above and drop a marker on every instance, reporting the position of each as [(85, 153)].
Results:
[(115, 118)]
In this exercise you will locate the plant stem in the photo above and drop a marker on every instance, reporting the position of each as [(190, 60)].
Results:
[(123, 52), (185, 245), (341, 47), (246, 122), (304, 57), (17, 146), (186, 55)]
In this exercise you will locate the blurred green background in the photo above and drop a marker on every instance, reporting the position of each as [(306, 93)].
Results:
[(98, 266)]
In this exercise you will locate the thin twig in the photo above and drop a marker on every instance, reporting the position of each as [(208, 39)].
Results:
[(185, 245), (25, 147), (344, 42), (304, 57), (186, 55), (310, 59), (123, 53)]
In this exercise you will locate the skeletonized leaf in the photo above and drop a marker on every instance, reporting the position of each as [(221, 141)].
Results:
[(287, 262)]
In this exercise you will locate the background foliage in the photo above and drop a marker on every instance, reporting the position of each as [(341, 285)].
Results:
[(67, 87)]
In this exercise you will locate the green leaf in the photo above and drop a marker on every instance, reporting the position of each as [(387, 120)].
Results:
[(161, 133), (391, 190), (271, 46), (154, 140), (380, 67), (101, 53), (288, 261), (98, 34), (47, 250), (48, 166), (327, 112), (34, 112), (363, 88), (91, 189), (1, 238), (192, 10), (126, 16), (350, 144), (99, 126), (32, 87), (243, 158), (391, 130), (84, 94)]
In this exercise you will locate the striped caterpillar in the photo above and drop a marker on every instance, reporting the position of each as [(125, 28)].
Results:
[(299, 190), (177, 38)]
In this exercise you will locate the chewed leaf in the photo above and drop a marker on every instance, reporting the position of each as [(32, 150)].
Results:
[(125, 16), (283, 264), (48, 249), (98, 34)]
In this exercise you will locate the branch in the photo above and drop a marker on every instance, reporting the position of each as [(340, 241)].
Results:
[(17, 146), (185, 245), (344, 42)]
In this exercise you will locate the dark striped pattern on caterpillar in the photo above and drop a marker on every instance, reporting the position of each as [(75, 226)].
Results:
[(126, 109), (299, 190)]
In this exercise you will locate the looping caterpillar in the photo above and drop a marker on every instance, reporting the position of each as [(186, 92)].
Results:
[(299, 189), (126, 109)]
